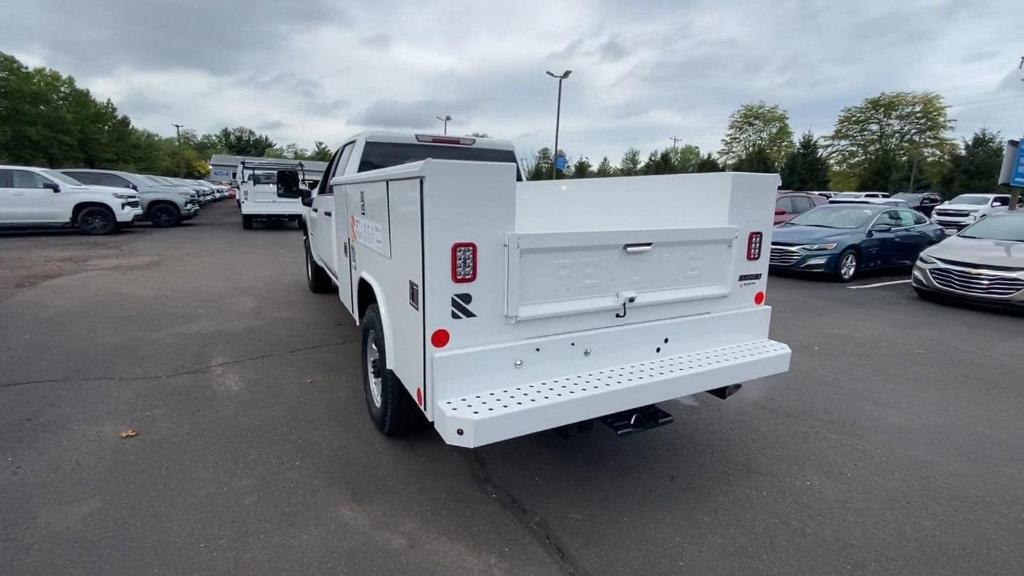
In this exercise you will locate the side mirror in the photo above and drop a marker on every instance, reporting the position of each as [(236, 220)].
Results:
[(306, 197), (998, 203), (133, 186), (780, 212), (52, 186), (881, 228)]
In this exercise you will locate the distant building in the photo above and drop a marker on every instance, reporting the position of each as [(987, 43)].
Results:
[(223, 167)]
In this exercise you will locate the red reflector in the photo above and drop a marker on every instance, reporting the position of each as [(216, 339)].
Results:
[(463, 262), (419, 397), (440, 338), (759, 298), (754, 246)]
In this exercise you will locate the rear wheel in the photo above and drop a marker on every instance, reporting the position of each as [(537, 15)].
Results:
[(316, 277), (247, 221), (847, 265), (164, 215), (95, 221), (390, 406)]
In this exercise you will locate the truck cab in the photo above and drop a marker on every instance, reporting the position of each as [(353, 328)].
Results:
[(493, 307)]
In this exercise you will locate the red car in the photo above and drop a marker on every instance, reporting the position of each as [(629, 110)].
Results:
[(789, 205)]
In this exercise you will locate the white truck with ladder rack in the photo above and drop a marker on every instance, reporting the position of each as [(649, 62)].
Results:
[(261, 196), (494, 307)]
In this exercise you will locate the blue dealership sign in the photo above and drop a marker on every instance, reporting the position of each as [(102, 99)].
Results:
[(1017, 178), (560, 162)]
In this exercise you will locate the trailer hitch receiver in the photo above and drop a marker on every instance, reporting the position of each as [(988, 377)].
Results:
[(637, 419)]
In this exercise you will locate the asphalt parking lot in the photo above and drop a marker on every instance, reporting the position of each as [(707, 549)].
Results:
[(892, 447)]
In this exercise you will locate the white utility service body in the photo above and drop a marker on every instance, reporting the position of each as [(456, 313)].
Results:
[(586, 298), (259, 197)]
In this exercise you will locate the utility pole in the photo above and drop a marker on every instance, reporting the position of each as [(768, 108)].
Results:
[(675, 141), (446, 119), (558, 118), (177, 129)]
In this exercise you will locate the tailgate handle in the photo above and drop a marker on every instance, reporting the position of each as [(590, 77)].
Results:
[(637, 248)]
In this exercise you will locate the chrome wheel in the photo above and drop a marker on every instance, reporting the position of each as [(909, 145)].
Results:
[(373, 368), (848, 266)]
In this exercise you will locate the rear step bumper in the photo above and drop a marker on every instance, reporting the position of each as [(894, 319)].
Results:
[(494, 415)]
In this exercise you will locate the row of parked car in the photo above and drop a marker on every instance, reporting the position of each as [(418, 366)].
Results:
[(971, 248), (99, 201)]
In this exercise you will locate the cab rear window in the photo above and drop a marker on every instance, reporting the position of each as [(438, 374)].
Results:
[(378, 155)]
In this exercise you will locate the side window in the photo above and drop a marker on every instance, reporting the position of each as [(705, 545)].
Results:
[(338, 169), (1001, 201), (906, 218), (112, 180), (324, 185), (26, 179), (801, 204), (83, 177), (5, 179), (919, 219), (888, 218), (929, 200), (785, 204)]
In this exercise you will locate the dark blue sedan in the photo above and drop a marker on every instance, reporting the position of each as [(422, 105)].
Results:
[(844, 239)]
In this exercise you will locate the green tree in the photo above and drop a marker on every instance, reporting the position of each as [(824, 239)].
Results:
[(320, 152), (244, 141), (756, 160), (582, 168), (805, 168), (660, 163), (757, 126), (708, 163), (874, 139), (541, 169), (604, 168), (974, 167), (630, 163), (685, 158)]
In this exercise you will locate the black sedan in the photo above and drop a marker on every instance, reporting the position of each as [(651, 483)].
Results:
[(922, 202)]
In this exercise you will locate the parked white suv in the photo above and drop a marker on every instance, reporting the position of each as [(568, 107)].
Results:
[(966, 209), (162, 205), (44, 197)]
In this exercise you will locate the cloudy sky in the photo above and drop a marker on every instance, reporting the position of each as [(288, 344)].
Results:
[(642, 71)]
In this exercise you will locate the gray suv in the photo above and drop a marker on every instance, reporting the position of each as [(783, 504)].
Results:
[(162, 205)]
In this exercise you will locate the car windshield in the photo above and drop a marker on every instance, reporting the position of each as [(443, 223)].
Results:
[(835, 216), (970, 199), (848, 195), (1000, 227), (60, 177), (907, 196)]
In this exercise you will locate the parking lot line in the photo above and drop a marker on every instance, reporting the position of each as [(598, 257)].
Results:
[(879, 284)]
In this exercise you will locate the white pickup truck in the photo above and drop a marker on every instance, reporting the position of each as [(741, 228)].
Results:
[(495, 308), (260, 194)]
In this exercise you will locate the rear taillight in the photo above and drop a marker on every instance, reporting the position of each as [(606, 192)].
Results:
[(463, 262), (754, 246)]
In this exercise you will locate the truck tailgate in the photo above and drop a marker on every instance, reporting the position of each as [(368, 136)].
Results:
[(553, 274)]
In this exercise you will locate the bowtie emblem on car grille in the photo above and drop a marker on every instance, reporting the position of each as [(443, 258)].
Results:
[(460, 306)]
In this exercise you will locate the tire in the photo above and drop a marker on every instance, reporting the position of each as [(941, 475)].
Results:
[(316, 277), (164, 215), (247, 221), (96, 221), (847, 266), (391, 408)]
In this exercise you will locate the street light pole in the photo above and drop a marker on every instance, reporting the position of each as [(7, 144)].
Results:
[(558, 119), (446, 119), (177, 129)]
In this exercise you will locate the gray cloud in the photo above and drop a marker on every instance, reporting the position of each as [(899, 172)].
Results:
[(660, 68)]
